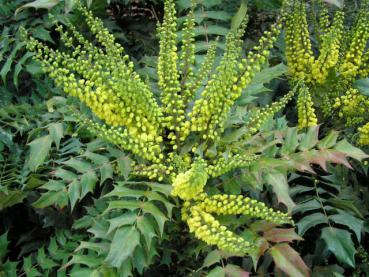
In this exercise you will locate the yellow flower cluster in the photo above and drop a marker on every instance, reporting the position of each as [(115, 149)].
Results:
[(353, 107), (110, 87), (120, 136), (207, 228), (191, 183), (305, 109), (238, 204), (195, 82), (210, 111), (364, 68), (233, 161), (364, 134), (168, 74), (299, 53), (341, 60), (260, 116), (329, 50), (154, 171), (188, 46), (103, 78), (354, 55)]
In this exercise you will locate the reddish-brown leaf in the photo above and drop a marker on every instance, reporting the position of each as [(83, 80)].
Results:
[(288, 260), (281, 235)]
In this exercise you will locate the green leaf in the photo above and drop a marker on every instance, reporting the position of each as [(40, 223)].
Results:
[(339, 242), (39, 149), (7, 65), (310, 205), (10, 198), (160, 218), (29, 269), (329, 141), (363, 86), (106, 172), (74, 192), (41, 33), (124, 166), (269, 73), (350, 150), (123, 245), (217, 272), (279, 183), (51, 198), (350, 221), (212, 258), (88, 260), (125, 219), (288, 260), (147, 229), (43, 260), (3, 245), (310, 221), (88, 182), (290, 142), (80, 166), (123, 204), (239, 16), (56, 132), (309, 139), (66, 175), (38, 4), (345, 205)]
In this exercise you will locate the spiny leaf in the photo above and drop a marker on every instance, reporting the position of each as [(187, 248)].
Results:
[(288, 260), (280, 186), (339, 242), (40, 147), (310, 221), (38, 4), (123, 245)]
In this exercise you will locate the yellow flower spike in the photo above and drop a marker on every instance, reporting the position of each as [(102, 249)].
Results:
[(364, 134), (305, 109), (190, 184)]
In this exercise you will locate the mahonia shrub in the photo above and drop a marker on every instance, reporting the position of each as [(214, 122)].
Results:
[(183, 136), (328, 78)]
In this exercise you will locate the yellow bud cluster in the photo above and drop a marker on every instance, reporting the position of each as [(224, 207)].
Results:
[(238, 204), (260, 116), (168, 74), (207, 228), (354, 55), (188, 46), (120, 136), (191, 183), (323, 19), (223, 165), (210, 111), (196, 80), (364, 68), (154, 171), (364, 134), (329, 50), (352, 107), (305, 109), (110, 88), (102, 34), (299, 53)]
